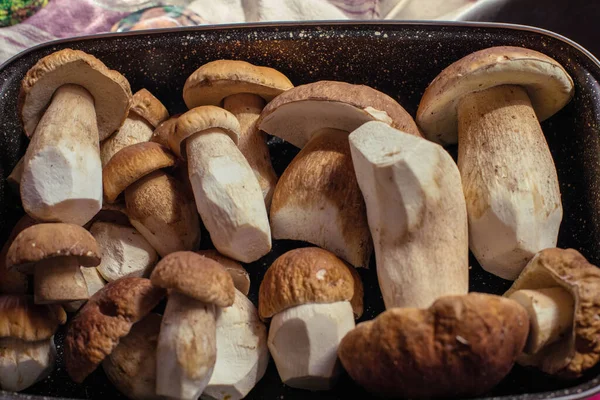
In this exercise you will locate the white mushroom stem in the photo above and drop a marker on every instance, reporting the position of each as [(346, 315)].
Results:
[(24, 363), (135, 129), (186, 352), (550, 315), (416, 213), (59, 280), (303, 341), (15, 176), (94, 283), (509, 179), (253, 142), (62, 173), (228, 196)]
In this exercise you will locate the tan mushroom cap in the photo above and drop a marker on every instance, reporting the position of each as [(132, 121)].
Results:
[(46, 241), (131, 164), (195, 276), (165, 130), (307, 275), (241, 279), (578, 350), (200, 119), (459, 347), (104, 320), (11, 280), (214, 81), (547, 83), (110, 89), (21, 318), (147, 106), (296, 114)]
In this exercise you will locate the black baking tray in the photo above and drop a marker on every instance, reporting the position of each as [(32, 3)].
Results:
[(399, 59)]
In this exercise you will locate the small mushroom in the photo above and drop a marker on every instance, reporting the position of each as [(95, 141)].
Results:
[(310, 294), (27, 350), (227, 193), (242, 89), (157, 204), (241, 279), (461, 346), (54, 253), (317, 198), (11, 280), (490, 102), (187, 350), (94, 283), (560, 290), (108, 316), (145, 114), (416, 212), (69, 100)]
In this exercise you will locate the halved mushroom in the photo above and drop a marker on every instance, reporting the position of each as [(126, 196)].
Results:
[(11, 280), (310, 293), (69, 100), (241, 279), (490, 101), (317, 199)]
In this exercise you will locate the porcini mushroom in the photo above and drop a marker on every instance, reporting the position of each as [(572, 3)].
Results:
[(242, 89), (186, 351), (11, 280), (27, 350), (317, 199), (157, 204), (241, 279), (227, 193), (94, 283), (491, 101), (146, 113), (461, 346), (560, 290), (416, 212), (309, 294), (69, 100)]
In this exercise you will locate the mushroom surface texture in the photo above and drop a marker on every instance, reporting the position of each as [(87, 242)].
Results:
[(241, 278), (416, 212), (560, 290), (93, 281), (187, 344), (228, 196), (491, 101), (461, 346), (310, 294), (69, 100), (11, 280)]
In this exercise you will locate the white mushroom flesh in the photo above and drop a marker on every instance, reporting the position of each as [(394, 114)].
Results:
[(22, 364)]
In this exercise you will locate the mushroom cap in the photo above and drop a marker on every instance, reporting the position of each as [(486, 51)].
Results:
[(200, 119), (578, 350), (11, 280), (459, 347), (107, 316), (110, 89), (547, 83), (45, 241), (195, 276), (132, 163), (296, 114), (21, 318), (306, 275), (214, 81), (164, 131), (149, 107), (241, 279)]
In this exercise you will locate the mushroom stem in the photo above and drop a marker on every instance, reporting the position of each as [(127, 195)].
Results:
[(509, 179), (24, 363), (14, 179), (135, 129), (550, 315), (253, 142), (59, 280), (187, 348), (62, 172), (228, 197)]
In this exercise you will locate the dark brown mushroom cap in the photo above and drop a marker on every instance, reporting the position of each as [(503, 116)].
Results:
[(21, 318)]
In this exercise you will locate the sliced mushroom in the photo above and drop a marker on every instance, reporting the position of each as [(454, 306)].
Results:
[(94, 283), (309, 293), (317, 199), (490, 101), (11, 280), (69, 101), (241, 279)]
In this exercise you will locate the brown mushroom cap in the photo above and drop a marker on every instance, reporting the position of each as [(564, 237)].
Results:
[(110, 89), (195, 276), (46, 241), (11, 280), (241, 279), (216, 80), (104, 320), (165, 130), (460, 346), (578, 350), (547, 83), (21, 318), (131, 164), (306, 275), (149, 107)]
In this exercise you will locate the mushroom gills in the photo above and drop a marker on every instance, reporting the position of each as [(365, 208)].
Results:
[(134, 130), (59, 280), (24, 363)]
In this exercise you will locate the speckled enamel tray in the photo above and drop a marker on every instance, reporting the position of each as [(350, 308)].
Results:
[(399, 59)]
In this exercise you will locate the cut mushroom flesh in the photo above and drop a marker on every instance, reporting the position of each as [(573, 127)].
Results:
[(24, 363)]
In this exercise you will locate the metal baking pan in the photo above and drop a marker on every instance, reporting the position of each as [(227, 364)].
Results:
[(399, 59)]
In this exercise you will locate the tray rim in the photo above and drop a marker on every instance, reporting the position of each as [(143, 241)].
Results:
[(577, 395)]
